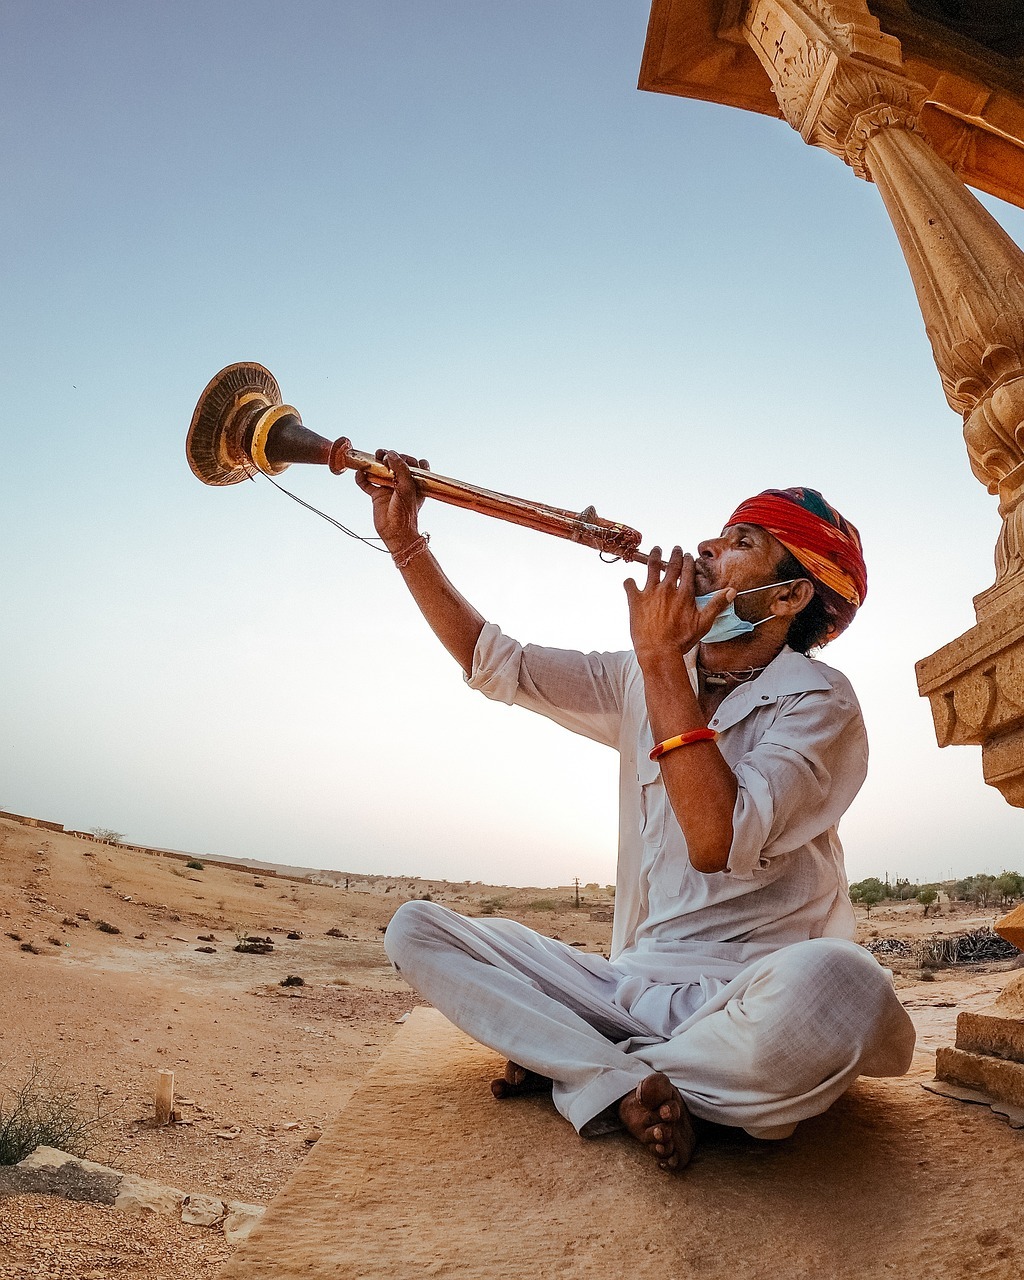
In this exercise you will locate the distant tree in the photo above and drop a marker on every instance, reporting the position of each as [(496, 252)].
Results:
[(869, 893), (979, 889), (104, 833), (927, 896), (1009, 886)]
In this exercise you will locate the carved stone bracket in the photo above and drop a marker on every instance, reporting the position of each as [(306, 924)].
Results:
[(837, 77), (976, 689)]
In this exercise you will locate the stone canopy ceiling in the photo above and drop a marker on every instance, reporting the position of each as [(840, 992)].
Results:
[(996, 24), (968, 54)]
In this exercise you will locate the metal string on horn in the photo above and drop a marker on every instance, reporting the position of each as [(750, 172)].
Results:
[(242, 428)]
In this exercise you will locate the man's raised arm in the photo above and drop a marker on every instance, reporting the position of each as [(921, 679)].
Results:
[(395, 515)]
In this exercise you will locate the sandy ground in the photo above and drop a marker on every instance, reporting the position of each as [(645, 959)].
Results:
[(267, 1064)]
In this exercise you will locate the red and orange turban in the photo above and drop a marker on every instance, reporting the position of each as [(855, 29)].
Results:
[(814, 533)]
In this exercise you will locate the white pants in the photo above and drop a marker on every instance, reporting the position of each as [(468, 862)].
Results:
[(776, 1045)]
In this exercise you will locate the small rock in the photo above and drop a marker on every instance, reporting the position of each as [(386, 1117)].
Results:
[(201, 1211), (230, 1132), (240, 1220), (208, 950)]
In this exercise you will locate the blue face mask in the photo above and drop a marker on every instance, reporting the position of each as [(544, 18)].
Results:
[(729, 625)]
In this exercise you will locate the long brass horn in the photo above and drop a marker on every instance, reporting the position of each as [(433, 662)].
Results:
[(241, 428)]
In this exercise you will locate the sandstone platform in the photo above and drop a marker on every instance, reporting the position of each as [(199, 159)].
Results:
[(424, 1174)]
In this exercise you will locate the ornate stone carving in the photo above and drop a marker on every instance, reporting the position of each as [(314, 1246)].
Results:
[(840, 82), (977, 688), (830, 65)]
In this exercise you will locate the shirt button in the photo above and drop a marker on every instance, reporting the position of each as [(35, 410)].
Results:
[(714, 722), (764, 697)]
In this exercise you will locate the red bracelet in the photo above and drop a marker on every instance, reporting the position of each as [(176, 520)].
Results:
[(683, 740)]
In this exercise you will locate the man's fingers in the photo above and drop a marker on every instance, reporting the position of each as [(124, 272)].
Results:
[(687, 574), (405, 485), (674, 565), (654, 566)]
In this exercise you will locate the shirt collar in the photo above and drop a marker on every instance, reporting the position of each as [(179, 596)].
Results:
[(788, 673)]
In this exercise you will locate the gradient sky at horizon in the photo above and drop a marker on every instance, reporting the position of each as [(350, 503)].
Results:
[(457, 229)]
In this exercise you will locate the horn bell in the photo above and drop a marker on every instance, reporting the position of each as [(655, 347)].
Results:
[(227, 412)]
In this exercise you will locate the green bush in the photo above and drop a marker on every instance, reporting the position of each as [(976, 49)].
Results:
[(194, 864), (42, 1111)]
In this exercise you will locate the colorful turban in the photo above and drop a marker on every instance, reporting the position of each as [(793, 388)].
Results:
[(816, 534)]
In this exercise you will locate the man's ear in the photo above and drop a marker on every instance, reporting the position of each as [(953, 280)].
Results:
[(796, 596)]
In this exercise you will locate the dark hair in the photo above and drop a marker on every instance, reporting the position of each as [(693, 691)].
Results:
[(823, 618)]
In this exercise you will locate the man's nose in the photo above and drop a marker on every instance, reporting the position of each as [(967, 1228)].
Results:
[(708, 548)]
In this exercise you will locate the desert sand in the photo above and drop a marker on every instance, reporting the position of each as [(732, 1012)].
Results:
[(260, 1068)]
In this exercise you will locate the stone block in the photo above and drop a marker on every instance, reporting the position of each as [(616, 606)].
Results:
[(995, 1076), (51, 1158), (988, 1033), (48, 1171), (140, 1195)]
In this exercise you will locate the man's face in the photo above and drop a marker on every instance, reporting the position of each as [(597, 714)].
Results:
[(743, 556)]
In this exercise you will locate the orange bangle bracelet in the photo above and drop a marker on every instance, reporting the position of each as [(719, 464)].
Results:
[(683, 740)]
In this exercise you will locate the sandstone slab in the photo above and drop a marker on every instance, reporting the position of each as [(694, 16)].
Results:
[(994, 1076), (987, 1033), (425, 1174)]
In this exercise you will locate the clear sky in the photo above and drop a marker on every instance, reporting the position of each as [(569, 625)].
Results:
[(457, 229)]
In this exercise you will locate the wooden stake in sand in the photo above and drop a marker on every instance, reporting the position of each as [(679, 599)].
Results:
[(164, 1100)]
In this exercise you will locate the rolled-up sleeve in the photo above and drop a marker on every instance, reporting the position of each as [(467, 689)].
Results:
[(583, 692), (799, 779)]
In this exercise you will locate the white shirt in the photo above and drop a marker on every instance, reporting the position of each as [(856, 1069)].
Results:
[(794, 737)]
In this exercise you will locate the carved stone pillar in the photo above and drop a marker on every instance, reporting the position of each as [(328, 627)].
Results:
[(839, 80)]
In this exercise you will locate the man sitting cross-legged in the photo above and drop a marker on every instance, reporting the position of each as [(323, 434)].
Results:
[(734, 991)]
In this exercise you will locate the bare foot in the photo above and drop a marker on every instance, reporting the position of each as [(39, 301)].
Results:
[(517, 1081), (655, 1115)]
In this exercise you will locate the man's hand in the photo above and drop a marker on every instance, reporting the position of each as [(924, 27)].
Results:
[(395, 511), (663, 614)]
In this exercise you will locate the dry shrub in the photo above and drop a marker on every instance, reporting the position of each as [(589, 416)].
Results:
[(43, 1110)]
